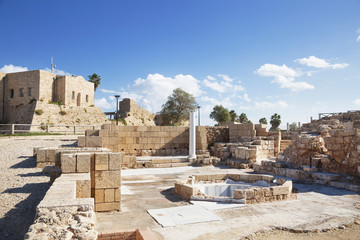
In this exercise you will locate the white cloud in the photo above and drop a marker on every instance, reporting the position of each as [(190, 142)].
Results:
[(11, 68), (153, 91), (224, 86), (104, 104), (358, 38), (316, 62), (210, 78), (246, 98), (108, 91), (225, 77), (357, 102), (267, 105), (214, 101), (284, 76), (58, 72)]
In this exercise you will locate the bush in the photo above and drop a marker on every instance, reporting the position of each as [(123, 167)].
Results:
[(62, 113), (32, 100), (56, 103), (39, 111), (123, 121)]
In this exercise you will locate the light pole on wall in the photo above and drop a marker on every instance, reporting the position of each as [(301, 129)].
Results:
[(117, 109), (198, 107)]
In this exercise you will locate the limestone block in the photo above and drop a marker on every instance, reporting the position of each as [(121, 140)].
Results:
[(83, 162), (117, 194), (50, 154), (101, 161), (115, 161), (99, 195), (81, 141), (239, 194), (68, 163), (93, 141), (107, 179), (83, 188), (106, 207), (41, 155), (280, 190), (109, 195)]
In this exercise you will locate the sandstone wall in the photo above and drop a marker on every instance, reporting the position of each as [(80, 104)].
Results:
[(2, 83), (46, 86), (135, 115), (145, 140), (75, 91), (69, 115), (337, 150), (217, 134)]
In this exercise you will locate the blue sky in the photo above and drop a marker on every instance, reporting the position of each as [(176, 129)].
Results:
[(294, 58)]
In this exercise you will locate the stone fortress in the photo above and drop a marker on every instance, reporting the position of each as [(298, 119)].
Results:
[(42, 98)]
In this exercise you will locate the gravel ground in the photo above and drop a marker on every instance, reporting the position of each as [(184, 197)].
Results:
[(22, 185)]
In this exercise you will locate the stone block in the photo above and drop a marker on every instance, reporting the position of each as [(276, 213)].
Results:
[(50, 154), (41, 155), (280, 190), (117, 194), (81, 141), (102, 161), (115, 161), (107, 179), (68, 163), (99, 195), (109, 195), (83, 162), (83, 188), (93, 141), (107, 207)]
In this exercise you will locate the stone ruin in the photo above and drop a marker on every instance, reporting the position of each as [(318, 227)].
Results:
[(87, 179)]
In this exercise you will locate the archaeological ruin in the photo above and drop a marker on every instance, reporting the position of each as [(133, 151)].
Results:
[(87, 179)]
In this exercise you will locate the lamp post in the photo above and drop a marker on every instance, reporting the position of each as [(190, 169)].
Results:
[(117, 109), (198, 107)]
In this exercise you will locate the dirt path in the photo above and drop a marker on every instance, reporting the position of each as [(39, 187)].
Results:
[(22, 185)]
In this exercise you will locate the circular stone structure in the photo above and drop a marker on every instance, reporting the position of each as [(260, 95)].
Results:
[(235, 188)]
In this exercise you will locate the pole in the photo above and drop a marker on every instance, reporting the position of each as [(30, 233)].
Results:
[(192, 139), (117, 109)]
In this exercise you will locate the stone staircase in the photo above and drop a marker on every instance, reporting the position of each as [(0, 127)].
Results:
[(162, 161), (284, 144)]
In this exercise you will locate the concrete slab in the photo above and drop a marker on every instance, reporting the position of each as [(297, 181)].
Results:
[(126, 191), (168, 217), (213, 206)]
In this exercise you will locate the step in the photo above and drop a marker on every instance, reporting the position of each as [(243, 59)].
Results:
[(169, 165)]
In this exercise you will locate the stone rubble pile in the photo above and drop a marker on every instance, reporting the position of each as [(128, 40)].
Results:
[(63, 223)]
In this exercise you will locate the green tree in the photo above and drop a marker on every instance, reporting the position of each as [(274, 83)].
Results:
[(177, 107), (233, 115), (95, 79), (243, 118), (275, 121), (220, 114), (263, 121)]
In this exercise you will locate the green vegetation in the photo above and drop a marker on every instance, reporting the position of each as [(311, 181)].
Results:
[(178, 107), (62, 113), (275, 122), (39, 111), (32, 100), (28, 134), (263, 120), (123, 121), (220, 114), (95, 79), (233, 115), (243, 118), (56, 103), (143, 120)]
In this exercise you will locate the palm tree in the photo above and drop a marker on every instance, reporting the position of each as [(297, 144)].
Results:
[(95, 79), (233, 115)]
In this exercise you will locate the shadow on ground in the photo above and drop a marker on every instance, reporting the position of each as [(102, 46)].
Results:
[(28, 162), (17, 221)]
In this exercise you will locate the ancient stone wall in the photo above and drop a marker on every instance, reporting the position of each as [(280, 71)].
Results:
[(135, 115), (2, 83), (144, 140), (217, 134)]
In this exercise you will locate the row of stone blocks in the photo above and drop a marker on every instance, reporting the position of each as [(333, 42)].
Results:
[(105, 175), (281, 191), (280, 169)]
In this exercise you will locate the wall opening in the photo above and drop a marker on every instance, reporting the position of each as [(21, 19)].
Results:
[(11, 93), (78, 100), (21, 92)]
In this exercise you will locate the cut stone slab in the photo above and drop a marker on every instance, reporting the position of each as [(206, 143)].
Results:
[(212, 206), (168, 217)]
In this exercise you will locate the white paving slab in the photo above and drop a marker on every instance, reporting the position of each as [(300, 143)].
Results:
[(126, 191), (168, 217), (212, 206)]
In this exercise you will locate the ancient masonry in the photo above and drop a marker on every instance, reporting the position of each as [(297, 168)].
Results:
[(42, 98)]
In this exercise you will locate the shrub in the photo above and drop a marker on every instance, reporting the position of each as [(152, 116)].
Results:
[(32, 100), (39, 111), (62, 113), (123, 121)]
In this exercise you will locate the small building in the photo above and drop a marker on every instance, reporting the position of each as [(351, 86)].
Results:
[(21, 93)]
